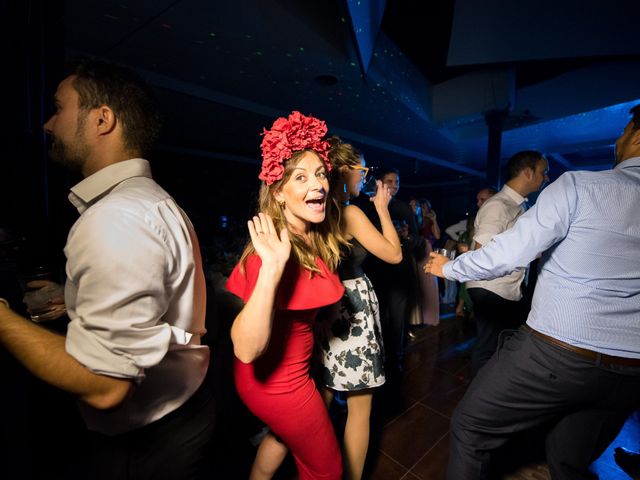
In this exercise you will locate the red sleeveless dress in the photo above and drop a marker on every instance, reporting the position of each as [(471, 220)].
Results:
[(277, 386)]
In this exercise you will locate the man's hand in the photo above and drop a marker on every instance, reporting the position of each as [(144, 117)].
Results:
[(435, 263)]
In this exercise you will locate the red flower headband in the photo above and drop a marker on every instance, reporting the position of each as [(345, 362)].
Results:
[(288, 135)]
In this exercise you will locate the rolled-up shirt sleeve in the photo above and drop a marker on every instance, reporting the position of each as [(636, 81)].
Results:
[(117, 276), (490, 221), (535, 231)]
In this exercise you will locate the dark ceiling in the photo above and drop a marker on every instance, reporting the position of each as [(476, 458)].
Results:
[(407, 81)]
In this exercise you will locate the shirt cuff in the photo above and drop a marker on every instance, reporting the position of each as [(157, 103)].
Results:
[(447, 270), (87, 349)]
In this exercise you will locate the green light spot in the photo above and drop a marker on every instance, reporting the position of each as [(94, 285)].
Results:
[(211, 34), (301, 49)]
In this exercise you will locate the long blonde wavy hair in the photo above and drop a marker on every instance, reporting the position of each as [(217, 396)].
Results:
[(326, 237)]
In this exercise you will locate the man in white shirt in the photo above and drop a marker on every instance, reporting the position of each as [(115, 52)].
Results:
[(135, 290), (497, 303)]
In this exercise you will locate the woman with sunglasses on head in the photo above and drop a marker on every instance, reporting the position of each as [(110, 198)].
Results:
[(349, 336), (285, 275)]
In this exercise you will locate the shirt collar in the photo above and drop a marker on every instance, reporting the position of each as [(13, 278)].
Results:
[(629, 162), (513, 195), (89, 190)]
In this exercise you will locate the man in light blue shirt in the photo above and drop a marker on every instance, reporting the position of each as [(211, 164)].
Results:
[(576, 364)]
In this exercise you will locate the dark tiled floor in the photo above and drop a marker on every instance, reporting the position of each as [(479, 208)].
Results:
[(410, 421)]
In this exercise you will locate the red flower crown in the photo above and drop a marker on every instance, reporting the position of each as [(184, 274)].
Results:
[(288, 135)]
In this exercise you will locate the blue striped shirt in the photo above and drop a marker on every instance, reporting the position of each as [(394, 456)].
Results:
[(587, 227)]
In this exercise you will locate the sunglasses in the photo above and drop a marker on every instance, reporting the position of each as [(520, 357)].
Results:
[(363, 170)]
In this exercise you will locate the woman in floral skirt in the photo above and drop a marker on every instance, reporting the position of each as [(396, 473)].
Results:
[(349, 338)]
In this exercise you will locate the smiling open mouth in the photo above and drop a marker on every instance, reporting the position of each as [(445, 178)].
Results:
[(316, 204)]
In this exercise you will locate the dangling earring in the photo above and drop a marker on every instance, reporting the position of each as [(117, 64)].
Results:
[(344, 187), (281, 203)]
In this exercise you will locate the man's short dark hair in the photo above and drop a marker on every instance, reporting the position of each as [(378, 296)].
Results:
[(523, 160), (132, 101), (386, 171), (635, 111)]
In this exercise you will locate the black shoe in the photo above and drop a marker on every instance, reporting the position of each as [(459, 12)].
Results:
[(628, 461)]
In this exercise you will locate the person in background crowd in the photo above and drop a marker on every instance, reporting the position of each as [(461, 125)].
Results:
[(457, 229), (575, 365), (465, 305), (286, 273), (135, 291), (460, 237), (396, 285), (429, 227), (426, 310), (350, 339)]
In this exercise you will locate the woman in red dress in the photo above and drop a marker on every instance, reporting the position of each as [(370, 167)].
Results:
[(286, 273)]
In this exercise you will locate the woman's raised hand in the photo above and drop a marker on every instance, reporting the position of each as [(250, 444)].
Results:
[(273, 248), (383, 196)]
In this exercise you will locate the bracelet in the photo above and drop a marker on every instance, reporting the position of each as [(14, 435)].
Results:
[(6, 304)]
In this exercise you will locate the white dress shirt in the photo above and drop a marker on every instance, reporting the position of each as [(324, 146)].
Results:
[(454, 231), (497, 214), (135, 294)]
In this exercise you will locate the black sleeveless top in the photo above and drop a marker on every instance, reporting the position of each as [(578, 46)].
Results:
[(351, 265)]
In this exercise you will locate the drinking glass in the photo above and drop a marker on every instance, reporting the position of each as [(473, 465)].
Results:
[(450, 254), (369, 187), (43, 295)]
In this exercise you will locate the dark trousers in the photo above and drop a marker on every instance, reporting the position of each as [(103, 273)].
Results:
[(492, 314), (528, 383), (393, 316), (175, 447)]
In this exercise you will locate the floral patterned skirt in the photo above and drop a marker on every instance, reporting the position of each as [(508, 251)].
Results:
[(349, 339)]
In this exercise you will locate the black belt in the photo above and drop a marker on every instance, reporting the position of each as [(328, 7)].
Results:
[(604, 359)]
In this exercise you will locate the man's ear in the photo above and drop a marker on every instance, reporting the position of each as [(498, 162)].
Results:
[(529, 173), (635, 137), (105, 120)]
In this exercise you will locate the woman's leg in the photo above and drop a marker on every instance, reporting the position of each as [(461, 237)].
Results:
[(270, 455), (356, 433)]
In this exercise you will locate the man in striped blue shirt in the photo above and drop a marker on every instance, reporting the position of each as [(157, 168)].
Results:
[(576, 364)]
